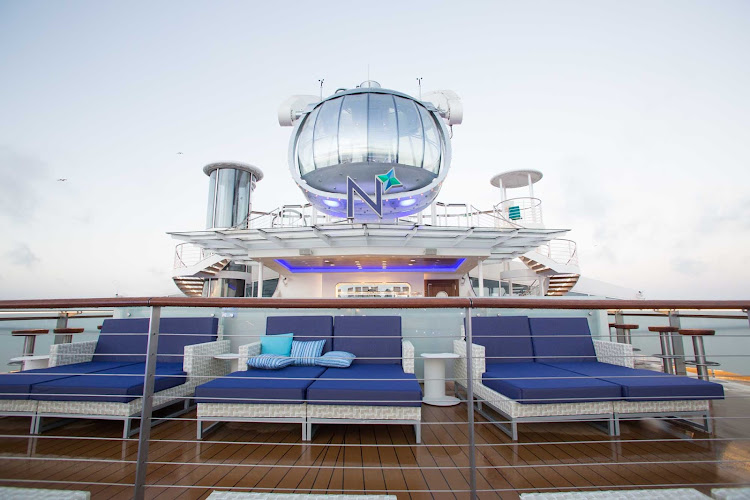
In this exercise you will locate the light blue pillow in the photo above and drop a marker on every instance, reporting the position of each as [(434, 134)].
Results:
[(280, 344), (336, 359), (304, 353), (269, 361)]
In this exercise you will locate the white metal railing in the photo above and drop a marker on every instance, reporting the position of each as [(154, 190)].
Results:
[(560, 250), (446, 214), (189, 254), (521, 211)]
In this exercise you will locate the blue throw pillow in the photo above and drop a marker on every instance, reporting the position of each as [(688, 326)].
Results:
[(305, 353), (336, 359), (280, 344), (269, 362)]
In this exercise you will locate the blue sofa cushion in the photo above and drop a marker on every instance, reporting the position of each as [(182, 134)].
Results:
[(506, 339), (537, 383), (370, 385), (125, 340), (647, 385), (304, 328), (558, 340), (118, 385), (372, 339), (285, 386), (18, 385)]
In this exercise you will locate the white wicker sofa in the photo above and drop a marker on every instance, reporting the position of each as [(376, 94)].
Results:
[(549, 369), (284, 395), (103, 379)]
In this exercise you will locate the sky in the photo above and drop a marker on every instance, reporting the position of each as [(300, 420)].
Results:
[(637, 113)]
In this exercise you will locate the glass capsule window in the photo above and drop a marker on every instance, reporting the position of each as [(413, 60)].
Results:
[(369, 127)]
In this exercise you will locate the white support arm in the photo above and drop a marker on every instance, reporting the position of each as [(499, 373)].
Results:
[(477, 359), (67, 354), (246, 352), (614, 353), (407, 356)]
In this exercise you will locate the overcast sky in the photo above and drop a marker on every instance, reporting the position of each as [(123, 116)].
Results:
[(637, 112)]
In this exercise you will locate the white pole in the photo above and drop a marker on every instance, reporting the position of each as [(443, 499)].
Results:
[(260, 279), (433, 213), (531, 187), (481, 279), (510, 288)]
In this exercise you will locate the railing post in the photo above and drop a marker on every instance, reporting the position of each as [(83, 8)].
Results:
[(141, 465), (678, 349), (619, 332), (62, 322), (470, 405)]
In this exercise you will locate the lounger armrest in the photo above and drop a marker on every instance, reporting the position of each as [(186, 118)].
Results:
[(246, 352), (67, 354), (614, 353), (407, 356), (478, 362), (199, 360)]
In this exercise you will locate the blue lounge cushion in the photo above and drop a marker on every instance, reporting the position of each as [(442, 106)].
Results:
[(118, 385), (506, 339), (269, 362), (305, 353), (124, 340), (285, 386), (537, 383), (336, 359), (372, 339), (279, 344), (559, 340), (18, 385), (304, 328), (370, 385), (647, 385)]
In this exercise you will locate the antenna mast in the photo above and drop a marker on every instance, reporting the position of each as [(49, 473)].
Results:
[(419, 81), (321, 88)]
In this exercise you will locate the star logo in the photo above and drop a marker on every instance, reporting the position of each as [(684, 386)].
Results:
[(389, 180)]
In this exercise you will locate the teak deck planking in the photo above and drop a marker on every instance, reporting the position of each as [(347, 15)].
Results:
[(548, 456)]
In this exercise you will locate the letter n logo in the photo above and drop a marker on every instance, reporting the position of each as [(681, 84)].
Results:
[(376, 205)]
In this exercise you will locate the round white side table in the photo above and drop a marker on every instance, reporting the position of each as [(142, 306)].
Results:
[(434, 379)]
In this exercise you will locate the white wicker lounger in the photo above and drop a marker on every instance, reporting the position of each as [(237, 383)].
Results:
[(610, 412), (365, 414), (198, 363), (250, 412)]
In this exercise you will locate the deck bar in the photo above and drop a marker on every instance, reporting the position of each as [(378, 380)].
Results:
[(148, 400), (470, 405)]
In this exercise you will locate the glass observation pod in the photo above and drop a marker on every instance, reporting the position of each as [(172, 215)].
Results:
[(365, 132)]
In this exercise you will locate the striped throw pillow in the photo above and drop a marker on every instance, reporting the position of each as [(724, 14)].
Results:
[(269, 361), (305, 353), (336, 359)]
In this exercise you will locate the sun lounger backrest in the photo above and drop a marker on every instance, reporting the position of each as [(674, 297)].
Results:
[(304, 328), (374, 337), (191, 331), (126, 340), (559, 340), (122, 340), (506, 339)]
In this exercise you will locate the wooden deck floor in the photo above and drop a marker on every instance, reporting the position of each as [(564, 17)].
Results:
[(561, 456)]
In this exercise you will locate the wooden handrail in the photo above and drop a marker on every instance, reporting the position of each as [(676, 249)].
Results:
[(395, 303)]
